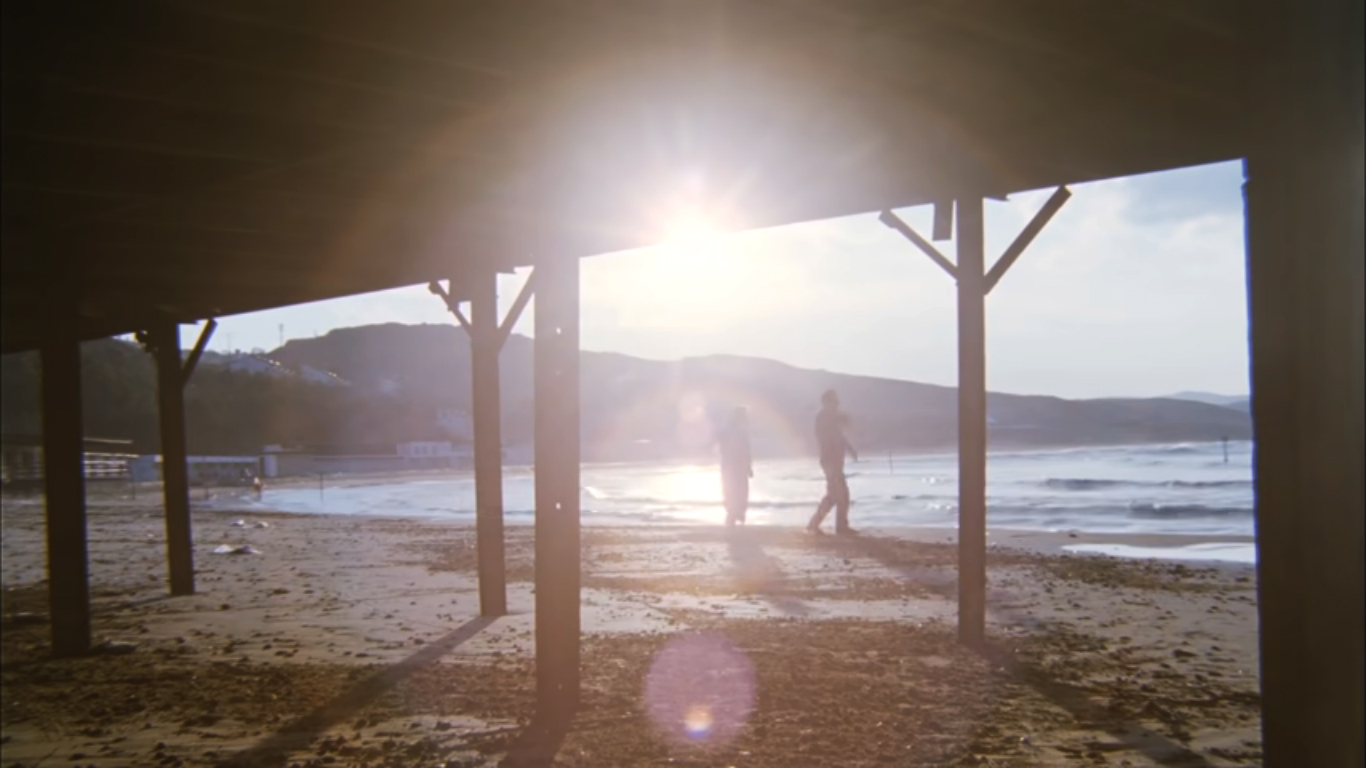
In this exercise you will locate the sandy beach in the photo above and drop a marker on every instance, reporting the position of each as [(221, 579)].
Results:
[(356, 641)]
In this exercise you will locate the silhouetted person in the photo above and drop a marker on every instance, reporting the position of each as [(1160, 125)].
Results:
[(830, 425), (737, 466)]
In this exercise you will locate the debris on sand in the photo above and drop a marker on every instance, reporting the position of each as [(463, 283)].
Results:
[(25, 619), (114, 648), (228, 549)]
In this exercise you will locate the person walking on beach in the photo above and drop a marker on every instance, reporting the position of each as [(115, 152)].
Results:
[(830, 425), (737, 466)]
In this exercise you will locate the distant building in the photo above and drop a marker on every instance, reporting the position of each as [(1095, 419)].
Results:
[(309, 373), (257, 364), (264, 366), (281, 461), (201, 470)]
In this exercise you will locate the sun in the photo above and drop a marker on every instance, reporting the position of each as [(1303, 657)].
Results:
[(691, 231)]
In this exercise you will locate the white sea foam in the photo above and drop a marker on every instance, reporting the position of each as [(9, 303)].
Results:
[(1183, 489)]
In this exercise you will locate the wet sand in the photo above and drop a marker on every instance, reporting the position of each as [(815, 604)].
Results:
[(355, 641)]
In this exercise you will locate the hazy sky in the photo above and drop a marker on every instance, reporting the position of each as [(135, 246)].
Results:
[(1136, 288)]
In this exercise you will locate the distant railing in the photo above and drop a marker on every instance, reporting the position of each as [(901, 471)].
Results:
[(27, 469), (107, 466)]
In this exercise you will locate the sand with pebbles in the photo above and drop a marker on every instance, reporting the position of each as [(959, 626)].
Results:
[(348, 641)]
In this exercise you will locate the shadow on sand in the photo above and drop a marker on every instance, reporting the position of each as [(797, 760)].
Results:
[(758, 573), (1088, 713), (274, 749), (539, 742)]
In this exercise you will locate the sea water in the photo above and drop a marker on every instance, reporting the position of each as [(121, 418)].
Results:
[(1154, 489)]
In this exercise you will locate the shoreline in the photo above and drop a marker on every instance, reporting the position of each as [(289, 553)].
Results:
[(1042, 541)]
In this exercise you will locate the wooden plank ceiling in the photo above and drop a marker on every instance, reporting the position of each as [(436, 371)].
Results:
[(206, 158)]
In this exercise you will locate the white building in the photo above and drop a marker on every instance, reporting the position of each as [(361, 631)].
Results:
[(258, 365), (227, 470), (317, 376), (265, 366)]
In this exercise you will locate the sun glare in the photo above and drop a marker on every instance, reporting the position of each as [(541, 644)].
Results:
[(690, 232)]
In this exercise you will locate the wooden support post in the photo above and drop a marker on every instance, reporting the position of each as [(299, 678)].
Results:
[(64, 479), (557, 485), (485, 344), (1306, 259), (972, 424), (165, 342), (973, 285), (943, 220)]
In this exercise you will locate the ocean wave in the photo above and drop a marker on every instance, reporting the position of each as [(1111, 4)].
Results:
[(1180, 448), (1185, 511), (1094, 484), (1209, 483), (659, 502), (1085, 483)]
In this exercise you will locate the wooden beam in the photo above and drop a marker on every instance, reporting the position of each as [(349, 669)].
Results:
[(485, 344), (557, 486), (515, 312), (64, 478), (972, 425), (198, 351), (460, 316), (340, 40), (1306, 268), (1026, 236), (893, 221), (452, 305)]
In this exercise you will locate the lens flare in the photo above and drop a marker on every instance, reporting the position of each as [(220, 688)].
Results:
[(697, 722), (700, 690)]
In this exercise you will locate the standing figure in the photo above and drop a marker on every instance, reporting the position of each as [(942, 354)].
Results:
[(737, 466), (830, 425)]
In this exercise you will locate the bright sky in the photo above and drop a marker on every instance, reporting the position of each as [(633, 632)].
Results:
[(1136, 288)]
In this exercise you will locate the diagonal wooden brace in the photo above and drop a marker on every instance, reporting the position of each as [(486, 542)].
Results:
[(451, 304), (515, 312), (891, 220), (1026, 236), (197, 352)]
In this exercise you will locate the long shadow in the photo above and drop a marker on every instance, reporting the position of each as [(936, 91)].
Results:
[(930, 578), (1084, 709), (1078, 703), (274, 749), (759, 573)]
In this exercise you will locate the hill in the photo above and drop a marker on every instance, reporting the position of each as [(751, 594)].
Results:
[(398, 378), (636, 408), (1211, 398)]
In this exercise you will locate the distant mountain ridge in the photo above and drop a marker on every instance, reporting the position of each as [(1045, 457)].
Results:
[(382, 384), (1236, 402), (637, 409)]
